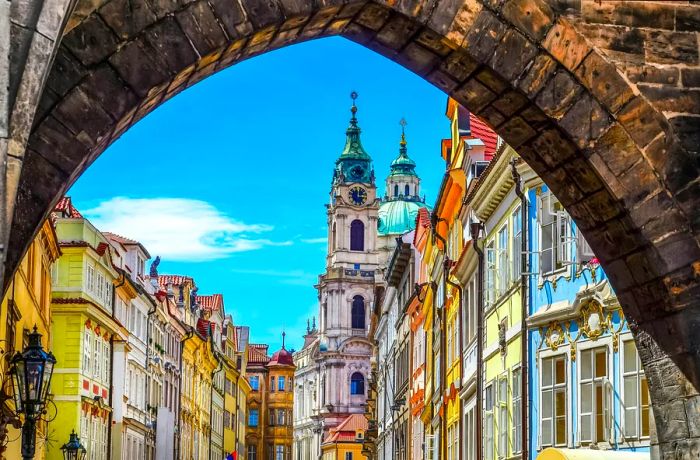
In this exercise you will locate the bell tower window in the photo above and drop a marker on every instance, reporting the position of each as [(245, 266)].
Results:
[(358, 312), (407, 190), (396, 190), (357, 236)]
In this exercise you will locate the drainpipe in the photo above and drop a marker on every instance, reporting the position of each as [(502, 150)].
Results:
[(443, 339), (448, 264), (188, 335), (111, 366), (524, 293), (148, 359), (475, 229)]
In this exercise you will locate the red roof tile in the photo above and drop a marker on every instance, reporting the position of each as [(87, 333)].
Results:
[(258, 354), (480, 130), (214, 302), (65, 208), (175, 280), (347, 430)]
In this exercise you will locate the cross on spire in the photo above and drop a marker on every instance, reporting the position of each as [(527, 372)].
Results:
[(403, 124), (284, 334)]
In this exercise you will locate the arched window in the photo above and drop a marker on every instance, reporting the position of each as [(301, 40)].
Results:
[(357, 236), (358, 312), (357, 384), (396, 190), (407, 190)]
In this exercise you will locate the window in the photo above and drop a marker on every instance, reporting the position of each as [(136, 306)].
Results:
[(503, 266), (280, 383), (636, 394), (396, 190), (553, 413), (503, 416), (358, 312), (357, 384), (517, 411), (253, 417), (281, 417), (452, 442), (348, 455), (584, 253), (432, 447), (252, 452), (407, 190), (469, 432), (279, 453), (87, 352), (595, 400), (555, 231), (516, 250), (491, 274), (357, 236), (272, 384), (254, 381)]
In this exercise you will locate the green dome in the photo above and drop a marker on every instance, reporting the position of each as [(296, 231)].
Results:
[(403, 165), (398, 216), (354, 164)]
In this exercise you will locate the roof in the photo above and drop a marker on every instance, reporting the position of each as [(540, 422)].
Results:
[(214, 302), (347, 430), (175, 280), (402, 165), (398, 216), (66, 209), (257, 353), (480, 130), (281, 357), (126, 241)]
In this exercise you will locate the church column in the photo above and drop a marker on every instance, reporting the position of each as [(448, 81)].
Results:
[(342, 232), (372, 234)]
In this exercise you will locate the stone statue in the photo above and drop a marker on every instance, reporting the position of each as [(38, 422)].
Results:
[(154, 267)]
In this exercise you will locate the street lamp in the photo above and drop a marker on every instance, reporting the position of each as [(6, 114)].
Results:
[(31, 376), (73, 449)]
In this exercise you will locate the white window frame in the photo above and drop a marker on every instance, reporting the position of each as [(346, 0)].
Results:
[(638, 375), (489, 420), (516, 399), (604, 344), (516, 242), (503, 414), (503, 280), (584, 253), (491, 275), (545, 355), (559, 253), (87, 352)]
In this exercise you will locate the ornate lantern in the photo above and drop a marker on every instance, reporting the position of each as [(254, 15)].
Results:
[(31, 377), (73, 449)]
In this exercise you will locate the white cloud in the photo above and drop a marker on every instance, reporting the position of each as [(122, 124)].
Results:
[(179, 229), (319, 240)]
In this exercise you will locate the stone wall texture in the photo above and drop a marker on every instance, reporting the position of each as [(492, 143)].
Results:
[(600, 98)]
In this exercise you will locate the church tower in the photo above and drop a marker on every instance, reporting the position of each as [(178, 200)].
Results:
[(346, 290)]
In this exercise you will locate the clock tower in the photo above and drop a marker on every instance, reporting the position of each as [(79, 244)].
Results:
[(346, 290)]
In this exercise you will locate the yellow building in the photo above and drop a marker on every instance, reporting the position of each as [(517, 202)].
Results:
[(498, 208), (83, 330), (344, 442), (236, 387), (25, 305)]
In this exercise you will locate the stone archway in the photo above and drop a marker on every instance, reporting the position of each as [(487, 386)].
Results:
[(552, 87)]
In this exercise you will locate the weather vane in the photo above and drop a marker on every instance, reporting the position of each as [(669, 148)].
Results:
[(353, 96), (403, 124)]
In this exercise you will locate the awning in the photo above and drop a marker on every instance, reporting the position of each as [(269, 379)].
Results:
[(553, 453)]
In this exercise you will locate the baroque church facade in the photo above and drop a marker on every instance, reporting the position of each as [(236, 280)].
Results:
[(333, 366)]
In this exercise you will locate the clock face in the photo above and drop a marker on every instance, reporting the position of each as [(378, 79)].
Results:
[(357, 172), (358, 195)]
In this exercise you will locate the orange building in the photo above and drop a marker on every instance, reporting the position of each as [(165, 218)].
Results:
[(269, 432), (344, 442)]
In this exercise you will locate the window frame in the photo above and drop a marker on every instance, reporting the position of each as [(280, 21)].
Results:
[(566, 386), (560, 244), (605, 383), (624, 375)]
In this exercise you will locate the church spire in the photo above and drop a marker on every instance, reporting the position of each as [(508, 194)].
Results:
[(354, 163), (403, 165)]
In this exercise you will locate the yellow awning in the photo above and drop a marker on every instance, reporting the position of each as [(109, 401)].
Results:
[(553, 453)]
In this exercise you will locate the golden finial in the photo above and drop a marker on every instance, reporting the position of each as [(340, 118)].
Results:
[(353, 96), (403, 124)]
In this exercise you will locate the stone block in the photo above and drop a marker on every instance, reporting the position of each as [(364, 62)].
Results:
[(676, 251), (688, 18), (54, 141), (690, 77), (606, 176), (51, 18), (474, 95), (565, 189), (422, 10), (672, 423), (640, 73), (631, 14), (665, 47), (692, 408), (202, 28), (603, 206), (583, 175), (617, 149), (138, 67), (127, 18), (672, 99), (373, 16), (641, 121), (418, 59), (513, 55), (510, 102), (454, 18), (531, 17), (435, 43), (484, 36), (639, 181), (558, 95), (172, 51), (492, 80), (458, 65), (66, 72), (535, 118), (442, 80), (604, 81), (537, 75), (566, 45), (686, 128), (586, 121), (323, 17), (231, 17), (82, 114), (92, 42), (396, 32), (553, 148), (493, 117), (262, 13), (516, 132)]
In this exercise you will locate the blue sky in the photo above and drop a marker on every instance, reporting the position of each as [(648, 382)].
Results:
[(227, 181)]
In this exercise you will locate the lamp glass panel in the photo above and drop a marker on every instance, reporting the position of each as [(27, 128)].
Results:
[(35, 372), (46, 380), (17, 379), (21, 382)]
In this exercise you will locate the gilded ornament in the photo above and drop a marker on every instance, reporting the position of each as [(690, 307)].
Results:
[(594, 322), (554, 336)]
